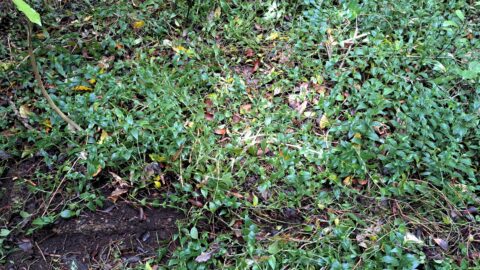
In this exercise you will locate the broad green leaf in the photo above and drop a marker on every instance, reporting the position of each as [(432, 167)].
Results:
[(460, 15), (66, 213), (194, 233), (26, 9)]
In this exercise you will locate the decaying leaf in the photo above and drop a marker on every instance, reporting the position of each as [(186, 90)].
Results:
[(82, 88), (221, 131), (117, 193), (103, 137), (411, 238), (323, 123), (203, 257), (218, 12), (138, 24), (24, 111), (441, 243), (245, 108), (272, 36), (347, 181)]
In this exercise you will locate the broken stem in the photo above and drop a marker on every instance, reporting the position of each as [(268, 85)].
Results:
[(36, 73)]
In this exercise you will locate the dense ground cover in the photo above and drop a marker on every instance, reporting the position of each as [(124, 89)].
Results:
[(295, 134)]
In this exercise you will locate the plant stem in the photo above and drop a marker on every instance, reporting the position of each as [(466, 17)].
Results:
[(38, 78)]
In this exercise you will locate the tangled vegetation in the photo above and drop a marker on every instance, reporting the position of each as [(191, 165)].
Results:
[(290, 134)]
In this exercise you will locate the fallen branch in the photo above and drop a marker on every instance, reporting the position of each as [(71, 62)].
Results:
[(38, 78)]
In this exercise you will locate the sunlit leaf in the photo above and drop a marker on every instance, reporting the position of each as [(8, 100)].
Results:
[(26, 9)]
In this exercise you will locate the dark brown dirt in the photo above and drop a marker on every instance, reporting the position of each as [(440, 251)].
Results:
[(117, 236), (112, 238)]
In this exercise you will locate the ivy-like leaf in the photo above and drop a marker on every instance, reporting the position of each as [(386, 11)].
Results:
[(26, 9)]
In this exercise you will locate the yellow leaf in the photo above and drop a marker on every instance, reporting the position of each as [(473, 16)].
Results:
[(357, 136), (138, 24), (99, 169), (92, 81), (347, 181), (179, 49), (103, 137), (255, 200), (324, 122), (47, 124), (218, 12), (24, 111), (82, 88), (273, 36), (229, 80), (157, 158), (157, 184), (336, 221)]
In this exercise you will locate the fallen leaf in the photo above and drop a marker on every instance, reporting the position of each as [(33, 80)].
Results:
[(362, 182), (99, 170), (249, 52), (24, 111), (203, 257), (179, 49), (103, 137), (82, 88), (218, 12), (221, 131), (117, 193), (301, 108), (195, 203), (441, 243), (138, 24), (209, 116), (323, 123), (236, 118), (347, 181), (119, 181), (92, 81), (410, 238), (272, 36), (256, 65), (245, 108)]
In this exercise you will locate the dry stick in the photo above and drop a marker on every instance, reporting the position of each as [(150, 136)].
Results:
[(33, 62)]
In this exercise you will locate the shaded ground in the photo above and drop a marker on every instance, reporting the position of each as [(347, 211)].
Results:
[(118, 235)]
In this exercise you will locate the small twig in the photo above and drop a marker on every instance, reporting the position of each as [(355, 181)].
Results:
[(41, 252), (38, 78), (351, 45)]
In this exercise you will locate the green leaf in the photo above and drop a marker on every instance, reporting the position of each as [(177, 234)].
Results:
[(450, 23), (4, 232), (26, 9), (460, 15), (194, 233), (67, 213)]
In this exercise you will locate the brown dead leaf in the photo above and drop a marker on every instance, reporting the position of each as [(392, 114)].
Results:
[(117, 193), (441, 243), (99, 170), (209, 116), (236, 118), (221, 131), (245, 108), (249, 53), (24, 111), (256, 65), (195, 203)]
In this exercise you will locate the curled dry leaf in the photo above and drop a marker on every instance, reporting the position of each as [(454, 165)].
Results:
[(441, 243), (245, 108), (323, 122), (117, 193), (203, 257), (249, 52), (209, 116), (195, 203), (24, 111), (221, 131), (138, 24)]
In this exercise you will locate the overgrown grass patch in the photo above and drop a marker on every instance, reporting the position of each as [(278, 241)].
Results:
[(317, 134)]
